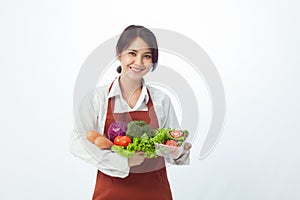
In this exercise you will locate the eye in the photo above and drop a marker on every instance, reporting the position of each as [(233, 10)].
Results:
[(132, 53), (148, 56)]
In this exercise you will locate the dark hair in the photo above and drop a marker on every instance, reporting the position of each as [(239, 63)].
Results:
[(130, 33)]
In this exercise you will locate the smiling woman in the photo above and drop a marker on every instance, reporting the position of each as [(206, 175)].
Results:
[(137, 52), (137, 57), (146, 37), (125, 100), (136, 61)]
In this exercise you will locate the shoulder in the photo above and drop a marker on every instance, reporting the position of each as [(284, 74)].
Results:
[(97, 95), (102, 91)]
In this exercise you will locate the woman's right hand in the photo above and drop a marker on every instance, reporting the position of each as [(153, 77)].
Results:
[(136, 159)]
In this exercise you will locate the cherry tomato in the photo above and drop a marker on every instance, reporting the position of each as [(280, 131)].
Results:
[(124, 141), (117, 140), (172, 143), (176, 134)]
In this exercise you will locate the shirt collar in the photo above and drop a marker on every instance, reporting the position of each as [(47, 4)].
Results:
[(116, 90)]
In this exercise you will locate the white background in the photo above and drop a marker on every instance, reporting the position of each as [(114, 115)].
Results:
[(254, 45)]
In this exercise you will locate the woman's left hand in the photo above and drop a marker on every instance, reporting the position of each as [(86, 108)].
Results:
[(185, 154)]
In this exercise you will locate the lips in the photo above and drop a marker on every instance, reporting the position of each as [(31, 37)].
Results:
[(135, 69)]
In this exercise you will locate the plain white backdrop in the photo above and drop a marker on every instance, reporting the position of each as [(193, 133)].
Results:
[(254, 45)]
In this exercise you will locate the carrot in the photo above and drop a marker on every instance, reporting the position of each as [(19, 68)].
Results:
[(98, 139)]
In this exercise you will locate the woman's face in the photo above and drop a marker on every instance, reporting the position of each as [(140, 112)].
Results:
[(136, 60)]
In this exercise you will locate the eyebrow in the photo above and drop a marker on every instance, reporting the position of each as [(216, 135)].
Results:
[(137, 50)]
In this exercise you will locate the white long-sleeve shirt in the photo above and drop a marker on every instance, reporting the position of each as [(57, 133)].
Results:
[(91, 115)]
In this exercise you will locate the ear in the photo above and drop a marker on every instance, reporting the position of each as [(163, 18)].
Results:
[(118, 55)]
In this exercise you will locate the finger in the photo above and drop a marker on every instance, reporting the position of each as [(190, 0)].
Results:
[(186, 149), (187, 146), (184, 152)]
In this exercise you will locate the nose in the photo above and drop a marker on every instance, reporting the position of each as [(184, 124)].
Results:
[(138, 61)]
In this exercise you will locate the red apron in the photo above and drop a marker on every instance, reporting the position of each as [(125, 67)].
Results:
[(147, 181)]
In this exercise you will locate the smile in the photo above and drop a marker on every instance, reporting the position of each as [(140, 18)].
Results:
[(136, 69)]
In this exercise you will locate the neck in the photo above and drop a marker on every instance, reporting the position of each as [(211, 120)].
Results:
[(129, 87)]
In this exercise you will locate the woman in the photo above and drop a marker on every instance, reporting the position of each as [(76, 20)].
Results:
[(127, 98)]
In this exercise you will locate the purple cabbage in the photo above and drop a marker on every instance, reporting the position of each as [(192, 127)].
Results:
[(115, 129)]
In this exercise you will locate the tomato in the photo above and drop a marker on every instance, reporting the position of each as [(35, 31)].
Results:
[(172, 143), (124, 141), (176, 134), (117, 140)]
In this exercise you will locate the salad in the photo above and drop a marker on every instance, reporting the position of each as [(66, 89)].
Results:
[(140, 137)]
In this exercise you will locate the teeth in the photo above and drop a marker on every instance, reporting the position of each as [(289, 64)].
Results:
[(136, 69)]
